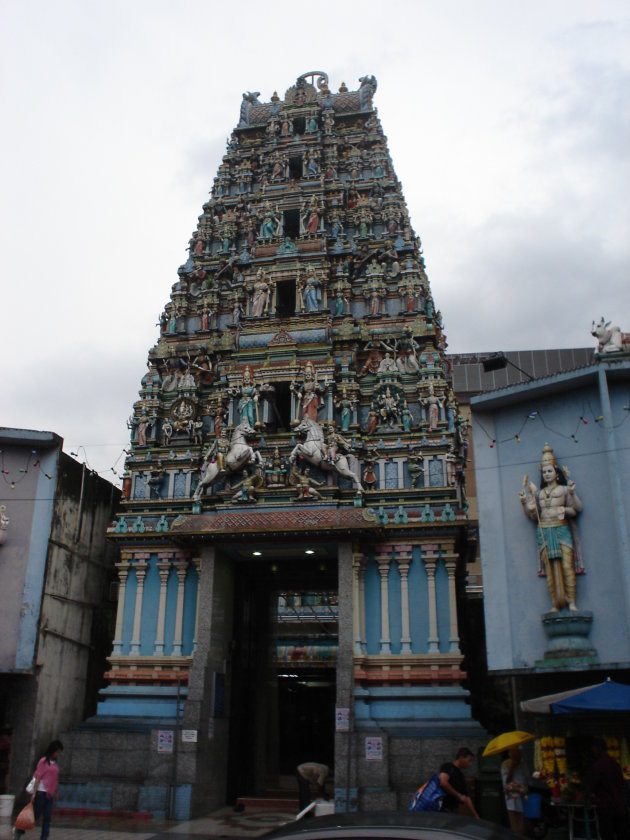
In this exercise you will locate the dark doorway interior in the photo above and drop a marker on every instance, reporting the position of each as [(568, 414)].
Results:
[(295, 167), (306, 703), (291, 224), (282, 407), (285, 304), (282, 694)]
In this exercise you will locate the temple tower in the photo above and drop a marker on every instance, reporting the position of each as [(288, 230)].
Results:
[(294, 507)]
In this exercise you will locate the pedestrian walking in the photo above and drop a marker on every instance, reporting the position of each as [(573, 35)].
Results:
[(453, 783), (45, 789)]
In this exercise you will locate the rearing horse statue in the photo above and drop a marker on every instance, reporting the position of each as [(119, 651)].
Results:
[(313, 450), (239, 455)]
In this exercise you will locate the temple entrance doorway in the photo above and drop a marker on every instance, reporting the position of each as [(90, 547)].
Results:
[(283, 674)]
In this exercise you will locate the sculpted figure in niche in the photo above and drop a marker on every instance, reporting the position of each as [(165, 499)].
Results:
[(247, 488), (303, 484), (248, 403), (341, 301), (260, 296), (167, 432), (237, 313), (279, 168), (269, 226), (407, 356), (311, 291), (309, 217), (433, 404), (308, 392), (406, 417), (375, 300), (345, 406), (389, 407), (553, 508), (387, 365)]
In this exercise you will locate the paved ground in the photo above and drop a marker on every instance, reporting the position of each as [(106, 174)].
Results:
[(222, 823)]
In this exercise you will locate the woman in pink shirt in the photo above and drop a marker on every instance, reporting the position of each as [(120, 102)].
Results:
[(46, 788)]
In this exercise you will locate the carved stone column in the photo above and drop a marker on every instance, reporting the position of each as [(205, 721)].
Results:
[(123, 573), (329, 401), (450, 561), (403, 559), (181, 568), (430, 563), (358, 616), (197, 565), (141, 568), (384, 561), (164, 568)]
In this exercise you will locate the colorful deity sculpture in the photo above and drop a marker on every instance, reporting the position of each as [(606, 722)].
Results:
[(554, 507), (248, 395)]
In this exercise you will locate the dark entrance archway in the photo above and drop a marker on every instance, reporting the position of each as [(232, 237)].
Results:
[(282, 697)]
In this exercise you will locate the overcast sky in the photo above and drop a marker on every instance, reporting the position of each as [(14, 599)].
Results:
[(508, 125)]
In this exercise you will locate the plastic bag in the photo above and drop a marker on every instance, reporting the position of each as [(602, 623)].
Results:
[(30, 787), (429, 797), (26, 818)]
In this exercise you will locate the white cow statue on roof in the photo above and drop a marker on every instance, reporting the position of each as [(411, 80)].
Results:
[(610, 339)]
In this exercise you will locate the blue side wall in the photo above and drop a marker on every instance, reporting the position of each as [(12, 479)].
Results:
[(508, 440)]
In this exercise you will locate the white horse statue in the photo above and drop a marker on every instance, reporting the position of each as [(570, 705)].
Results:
[(609, 339), (239, 455), (313, 450)]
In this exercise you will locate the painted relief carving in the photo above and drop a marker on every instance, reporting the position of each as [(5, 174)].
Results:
[(221, 459)]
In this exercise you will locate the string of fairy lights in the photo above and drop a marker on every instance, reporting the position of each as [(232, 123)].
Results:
[(13, 477), (588, 415)]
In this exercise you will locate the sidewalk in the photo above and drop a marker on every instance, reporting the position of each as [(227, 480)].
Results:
[(223, 823)]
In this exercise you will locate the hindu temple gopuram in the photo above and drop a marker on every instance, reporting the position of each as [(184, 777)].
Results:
[(294, 510)]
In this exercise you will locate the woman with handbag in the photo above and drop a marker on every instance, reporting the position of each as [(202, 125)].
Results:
[(45, 788)]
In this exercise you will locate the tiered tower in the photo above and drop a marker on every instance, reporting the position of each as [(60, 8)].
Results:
[(296, 432)]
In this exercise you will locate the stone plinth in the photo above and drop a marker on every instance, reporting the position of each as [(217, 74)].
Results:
[(568, 646)]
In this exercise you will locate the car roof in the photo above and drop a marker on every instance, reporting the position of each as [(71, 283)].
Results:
[(400, 824)]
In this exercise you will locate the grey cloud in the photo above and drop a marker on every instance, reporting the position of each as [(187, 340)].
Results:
[(520, 277)]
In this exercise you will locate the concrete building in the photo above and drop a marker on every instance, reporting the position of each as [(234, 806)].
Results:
[(57, 605)]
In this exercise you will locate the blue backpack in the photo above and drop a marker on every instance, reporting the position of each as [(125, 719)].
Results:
[(429, 797)]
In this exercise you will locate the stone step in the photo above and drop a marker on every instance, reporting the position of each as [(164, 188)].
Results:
[(276, 802)]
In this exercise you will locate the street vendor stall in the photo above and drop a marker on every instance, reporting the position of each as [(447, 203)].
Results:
[(572, 721)]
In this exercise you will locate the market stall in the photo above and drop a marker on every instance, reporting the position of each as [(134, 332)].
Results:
[(568, 723)]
